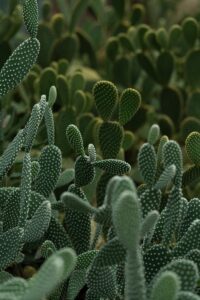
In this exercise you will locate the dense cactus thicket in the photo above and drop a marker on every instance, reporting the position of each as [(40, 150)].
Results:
[(99, 151)]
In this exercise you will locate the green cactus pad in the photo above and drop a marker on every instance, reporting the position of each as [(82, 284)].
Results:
[(110, 139), (186, 270), (8, 157), (105, 96), (192, 146), (192, 65), (30, 13), (190, 29), (18, 65), (154, 259), (10, 245), (50, 168), (75, 139), (129, 104), (84, 171), (166, 287), (113, 166), (147, 163), (189, 241)]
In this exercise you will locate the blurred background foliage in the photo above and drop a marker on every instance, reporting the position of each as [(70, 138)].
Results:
[(152, 46)]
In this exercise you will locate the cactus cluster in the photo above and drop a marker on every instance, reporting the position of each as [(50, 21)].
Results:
[(99, 185)]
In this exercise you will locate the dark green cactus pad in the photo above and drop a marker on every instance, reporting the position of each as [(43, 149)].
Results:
[(188, 125), (192, 214), (154, 259), (80, 101), (125, 42), (189, 241), (105, 96), (77, 11), (166, 125), (30, 13), (78, 227), (11, 198), (147, 163), (192, 146), (84, 171), (129, 104), (50, 168), (110, 139), (101, 281), (173, 214), (75, 139), (64, 119), (137, 13), (175, 33), (113, 166), (183, 214), (193, 108), (18, 65), (8, 157), (122, 71), (10, 242), (47, 79), (65, 178), (171, 103), (32, 127), (58, 24), (162, 37), (172, 155), (78, 277), (46, 37), (47, 248), (25, 190), (190, 175), (11, 216), (101, 187), (150, 200), (65, 47), (77, 224), (128, 141), (111, 253), (192, 68), (165, 66), (77, 82), (186, 270), (147, 65), (57, 234), (63, 89), (190, 29), (112, 48), (39, 223), (194, 255), (49, 122)]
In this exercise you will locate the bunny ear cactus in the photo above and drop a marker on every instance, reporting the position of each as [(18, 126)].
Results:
[(127, 221), (75, 139), (50, 168), (56, 268), (30, 13), (192, 145), (105, 96), (10, 154), (129, 104), (18, 65), (167, 282), (10, 246)]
